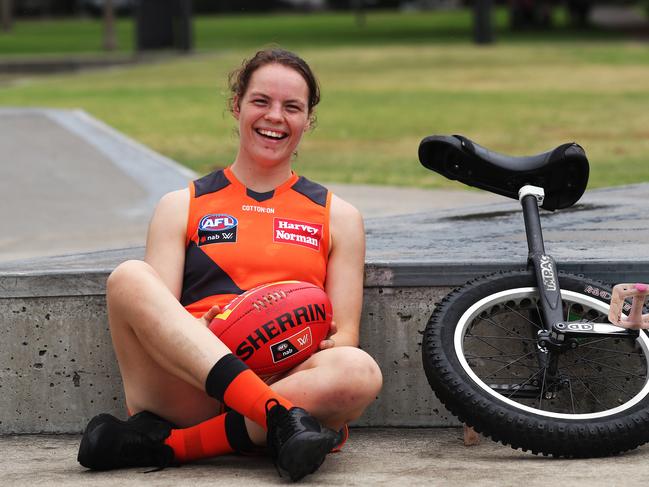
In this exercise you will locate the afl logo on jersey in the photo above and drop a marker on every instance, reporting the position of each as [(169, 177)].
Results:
[(217, 222), (217, 228)]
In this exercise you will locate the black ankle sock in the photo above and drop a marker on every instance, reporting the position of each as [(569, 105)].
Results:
[(222, 374), (237, 434)]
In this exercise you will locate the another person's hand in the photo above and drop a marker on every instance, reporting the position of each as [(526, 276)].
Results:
[(329, 341), (207, 318)]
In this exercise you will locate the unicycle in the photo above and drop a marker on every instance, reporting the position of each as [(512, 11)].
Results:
[(528, 357)]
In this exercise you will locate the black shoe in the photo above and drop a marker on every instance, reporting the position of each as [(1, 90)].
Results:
[(297, 442), (110, 443)]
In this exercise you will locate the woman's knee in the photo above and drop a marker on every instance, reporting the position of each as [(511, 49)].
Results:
[(360, 376), (126, 286), (126, 275)]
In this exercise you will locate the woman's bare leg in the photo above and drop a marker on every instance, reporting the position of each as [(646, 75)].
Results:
[(335, 385), (153, 336), (164, 353)]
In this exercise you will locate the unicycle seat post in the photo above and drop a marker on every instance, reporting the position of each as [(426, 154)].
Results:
[(545, 269), (531, 197)]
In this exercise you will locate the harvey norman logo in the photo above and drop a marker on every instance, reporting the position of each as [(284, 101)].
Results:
[(297, 232)]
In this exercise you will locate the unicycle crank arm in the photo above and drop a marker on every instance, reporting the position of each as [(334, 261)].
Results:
[(517, 391), (563, 331)]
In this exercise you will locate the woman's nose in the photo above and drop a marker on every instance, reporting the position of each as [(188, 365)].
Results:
[(274, 112)]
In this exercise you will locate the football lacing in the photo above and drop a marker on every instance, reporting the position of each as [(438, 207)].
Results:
[(268, 300)]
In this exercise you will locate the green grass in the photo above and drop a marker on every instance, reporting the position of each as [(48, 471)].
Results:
[(62, 36), (384, 88), (294, 31)]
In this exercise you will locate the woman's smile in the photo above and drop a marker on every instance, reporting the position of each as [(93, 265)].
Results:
[(271, 133)]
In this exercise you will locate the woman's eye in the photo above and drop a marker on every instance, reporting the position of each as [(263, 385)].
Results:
[(259, 101), (293, 108)]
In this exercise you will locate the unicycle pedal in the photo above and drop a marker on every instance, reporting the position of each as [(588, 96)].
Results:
[(635, 319)]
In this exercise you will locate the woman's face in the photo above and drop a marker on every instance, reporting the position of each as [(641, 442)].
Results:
[(273, 114)]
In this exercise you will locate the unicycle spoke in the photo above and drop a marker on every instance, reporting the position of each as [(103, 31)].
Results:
[(509, 364), (543, 383), (500, 327), (517, 387), (606, 380), (598, 365), (494, 337), (572, 397), (489, 344), (533, 323)]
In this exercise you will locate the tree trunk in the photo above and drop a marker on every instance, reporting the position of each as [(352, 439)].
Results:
[(482, 27), (6, 17), (359, 12), (110, 39), (530, 14)]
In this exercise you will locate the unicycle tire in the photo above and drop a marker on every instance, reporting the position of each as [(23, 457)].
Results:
[(481, 359)]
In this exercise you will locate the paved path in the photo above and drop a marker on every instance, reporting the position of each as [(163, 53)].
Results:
[(73, 184)]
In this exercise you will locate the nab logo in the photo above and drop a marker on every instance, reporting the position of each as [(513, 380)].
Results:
[(217, 222), (217, 229), (288, 347)]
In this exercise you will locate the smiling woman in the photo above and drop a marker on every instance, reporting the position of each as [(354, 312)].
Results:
[(252, 223), (273, 115)]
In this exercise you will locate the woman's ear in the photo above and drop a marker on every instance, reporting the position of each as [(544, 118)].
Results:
[(236, 108), (310, 122)]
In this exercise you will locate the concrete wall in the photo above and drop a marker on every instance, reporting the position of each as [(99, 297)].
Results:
[(392, 324), (58, 369), (57, 364)]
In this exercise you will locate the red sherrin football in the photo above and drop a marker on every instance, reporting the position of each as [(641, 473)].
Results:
[(276, 326)]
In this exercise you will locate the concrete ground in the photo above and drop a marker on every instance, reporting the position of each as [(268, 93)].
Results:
[(405, 457)]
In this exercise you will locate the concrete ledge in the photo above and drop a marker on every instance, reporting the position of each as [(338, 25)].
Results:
[(57, 367), (85, 274)]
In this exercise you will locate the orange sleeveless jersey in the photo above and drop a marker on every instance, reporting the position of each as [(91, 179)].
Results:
[(238, 239)]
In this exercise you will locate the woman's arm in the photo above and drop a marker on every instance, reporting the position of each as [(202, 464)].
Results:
[(165, 243), (345, 270)]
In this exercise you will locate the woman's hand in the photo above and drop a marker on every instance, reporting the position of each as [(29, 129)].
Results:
[(329, 341), (207, 318)]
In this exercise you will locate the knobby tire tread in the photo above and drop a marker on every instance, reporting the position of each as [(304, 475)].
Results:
[(502, 422)]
